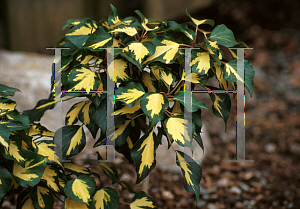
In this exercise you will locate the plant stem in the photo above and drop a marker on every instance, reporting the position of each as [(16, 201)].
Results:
[(176, 86), (185, 45), (145, 184), (124, 203), (137, 116), (68, 99)]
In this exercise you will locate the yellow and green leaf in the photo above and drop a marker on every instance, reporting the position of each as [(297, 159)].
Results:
[(50, 175), (121, 71), (148, 81), (191, 171), (79, 34), (200, 63), (99, 39), (200, 22), (7, 104), (32, 172), (46, 148), (80, 189), (220, 77), (71, 204), (196, 105), (106, 198), (39, 130), (130, 93), (166, 50), (143, 155), (154, 106), (82, 78), (38, 111), (76, 169), (128, 29), (4, 135), (141, 201), (110, 172), (176, 128), (174, 26), (42, 197), (24, 200), (162, 74), (128, 110), (73, 140), (221, 104), (72, 115)]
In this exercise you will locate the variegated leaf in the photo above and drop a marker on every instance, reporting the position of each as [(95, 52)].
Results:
[(82, 78), (5, 181), (71, 204), (128, 29), (174, 26), (76, 169), (141, 201), (79, 34), (110, 172), (39, 130), (7, 104), (128, 110), (166, 50), (162, 74), (148, 81), (220, 77), (32, 172), (50, 176), (80, 189), (221, 104), (42, 197), (154, 106), (200, 63), (191, 171), (24, 200), (130, 93), (99, 39), (46, 148), (106, 198), (72, 115), (73, 140), (194, 78), (38, 111), (143, 154), (200, 22), (176, 127), (4, 135), (121, 71), (147, 22), (127, 186), (113, 17)]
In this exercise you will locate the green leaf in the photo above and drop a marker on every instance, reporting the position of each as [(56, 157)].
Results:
[(175, 127), (81, 78), (50, 176), (147, 22), (5, 181), (42, 197), (221, 104), (72, 23), (98, 116), (198, 139), (79, 34), (154, 106), (172, 25), (196, 105), (143, 155), (223, 36), (73, 140), (191, 171), (166, 50), (38, 111), (110, 172), (32, 172), (80, 189), (99, 39), (130, 93), (127, 186), (106, 198), (7, 91), (141, 201), (113, 17), (4, 135)]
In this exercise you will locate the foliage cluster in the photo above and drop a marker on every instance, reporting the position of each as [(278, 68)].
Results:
[(149, 81)]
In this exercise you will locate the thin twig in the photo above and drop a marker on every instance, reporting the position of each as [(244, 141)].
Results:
[(138, 116), (124, 203), (176, 86)]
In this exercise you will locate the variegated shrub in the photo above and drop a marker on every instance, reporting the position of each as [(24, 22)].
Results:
[(149, 77)]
